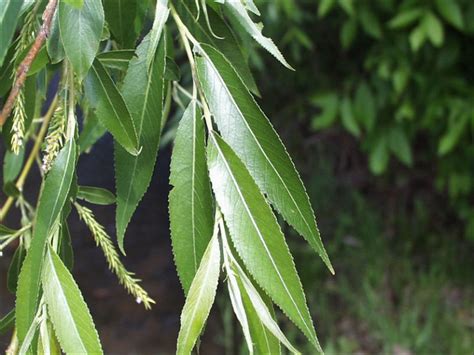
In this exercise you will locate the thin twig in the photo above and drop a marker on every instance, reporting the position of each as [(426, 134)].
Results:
[(25, 65)]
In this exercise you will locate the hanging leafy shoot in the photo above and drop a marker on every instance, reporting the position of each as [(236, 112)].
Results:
[(230, 172)]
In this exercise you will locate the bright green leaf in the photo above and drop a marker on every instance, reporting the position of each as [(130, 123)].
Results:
[(69, 314), (256, 234), (76, 3), (247, 130), (433, 29), (81, 30), (325, 6), (52, 199), (200, 298), (190, 201), (405, 18), (143, 92)]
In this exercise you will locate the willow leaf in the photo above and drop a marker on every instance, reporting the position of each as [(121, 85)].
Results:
[(250, 134), (7, 322), (200, 298), (190, 201), (81, 29), (110, 107), (120, 15), (51, 201), (226, 42), (238, 10), (143, 92), (71, 319), (256, 234), (9, 14), (161, 15), (96, 195), (259, 320), (119, 59)]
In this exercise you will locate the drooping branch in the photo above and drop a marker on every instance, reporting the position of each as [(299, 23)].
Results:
[(25, 65)]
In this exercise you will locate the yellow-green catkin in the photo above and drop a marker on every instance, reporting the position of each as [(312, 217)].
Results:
[(103, 240), (27, 35), (55, 138)]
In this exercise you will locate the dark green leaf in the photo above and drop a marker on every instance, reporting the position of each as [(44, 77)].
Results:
[(65, 245), (12, 164), (400, 146), (256, 234), (15, 267), (329, 104), (119, 59), (364, 106), (7, 322), (53, 196), (379, 156), (9, 14), (451, 11), (369, 22), (143, 91), (120, 15), (247, 130), (190, 201), (96, 195), (405, 18), (110, 107), (69, 314), (53, 43), (161, 15), (81, 29), (347, 117), (433, 28)]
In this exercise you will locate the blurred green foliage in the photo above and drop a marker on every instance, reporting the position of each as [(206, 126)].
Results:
[(396, 75), (380, 117)]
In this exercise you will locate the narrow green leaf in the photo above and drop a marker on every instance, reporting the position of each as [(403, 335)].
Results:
[(53, 43), (451, 11), (200, 298), (81, 29), (226, 42), (9, 14), (119, 59), (143, 91), (400, 145), (379, 156), (364, 106), (12, 164), (4, 231), (238, 10), (53, 196), (406, 18), (15, 267), (256, 234), (110, 107), (190, 201), (65, 250), (347, 117), (96, 195), (7, 322), (161, 16), (449, 140), (247, 130), (434, 29), (120, 15), (71, 319)]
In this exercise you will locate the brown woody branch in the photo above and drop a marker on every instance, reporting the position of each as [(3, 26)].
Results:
[(25, 65)]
